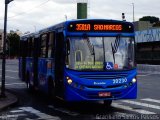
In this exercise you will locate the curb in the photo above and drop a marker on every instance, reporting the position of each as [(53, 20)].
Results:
[(9, 101)]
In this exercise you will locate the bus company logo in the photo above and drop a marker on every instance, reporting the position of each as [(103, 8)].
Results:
[(99, 83)]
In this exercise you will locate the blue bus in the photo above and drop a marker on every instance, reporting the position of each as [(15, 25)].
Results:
[(81, 60)]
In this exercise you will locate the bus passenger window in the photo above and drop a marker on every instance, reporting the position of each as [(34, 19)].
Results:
[(43, 45), (50, 44)]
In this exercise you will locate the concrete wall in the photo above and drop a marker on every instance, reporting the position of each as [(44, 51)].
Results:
[(148, 35), (148, 68), (142, 25)]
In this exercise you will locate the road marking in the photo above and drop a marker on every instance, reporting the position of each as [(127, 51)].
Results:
[(11, 71), (11, 77), (142, 104), (116, 105), (16, 111), (151, 100), (16, 84), (7, 117), (145, 75), (39, 114), (63, 110)]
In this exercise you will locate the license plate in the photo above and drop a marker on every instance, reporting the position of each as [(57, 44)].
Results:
[(104, 94)]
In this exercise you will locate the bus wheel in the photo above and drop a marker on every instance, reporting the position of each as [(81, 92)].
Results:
[(51, 89), (107, 103)]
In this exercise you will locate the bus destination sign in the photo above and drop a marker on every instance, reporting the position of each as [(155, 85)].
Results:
[(100, 27)]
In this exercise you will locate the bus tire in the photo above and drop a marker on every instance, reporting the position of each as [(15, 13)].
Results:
[(51, 89), (107, 103)]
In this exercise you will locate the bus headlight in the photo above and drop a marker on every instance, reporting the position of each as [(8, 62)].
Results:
[(69, 81), (134, 80), (74, 84)]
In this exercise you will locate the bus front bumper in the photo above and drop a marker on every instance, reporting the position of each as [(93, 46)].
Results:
[(75, 94)]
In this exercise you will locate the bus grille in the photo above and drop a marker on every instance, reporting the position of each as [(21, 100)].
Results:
[(102, 76)]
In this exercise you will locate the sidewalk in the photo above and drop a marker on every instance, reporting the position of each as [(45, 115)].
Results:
[(10, 100)]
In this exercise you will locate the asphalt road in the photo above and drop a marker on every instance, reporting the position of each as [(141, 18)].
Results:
[(33, 106)]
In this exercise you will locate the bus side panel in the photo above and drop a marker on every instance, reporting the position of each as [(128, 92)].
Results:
[(50, 68), (42, 74), (22, 59), (22, 68), (29, 69), (59, 64), (35, 62)]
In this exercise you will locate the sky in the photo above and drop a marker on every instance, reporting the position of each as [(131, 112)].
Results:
[(33, 15)]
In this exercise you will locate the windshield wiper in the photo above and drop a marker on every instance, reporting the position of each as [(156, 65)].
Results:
[(91, 48), (115, 46)]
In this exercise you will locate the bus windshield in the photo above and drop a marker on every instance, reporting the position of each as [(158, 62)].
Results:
[(100, 53)]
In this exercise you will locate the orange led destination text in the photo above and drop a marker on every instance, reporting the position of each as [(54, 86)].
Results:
[(107, 27), (83, 27)]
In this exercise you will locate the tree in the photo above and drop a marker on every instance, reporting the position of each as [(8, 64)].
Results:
[(157, 24), (152, 19), (13, 44)]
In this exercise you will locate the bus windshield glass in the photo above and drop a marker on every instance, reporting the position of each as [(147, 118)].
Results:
[(100, 53)]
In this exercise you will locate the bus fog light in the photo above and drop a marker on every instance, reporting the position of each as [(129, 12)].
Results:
[(81, 87), (75, 85), (69, 81), (130, 83), (125, 86), (134, 80)]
